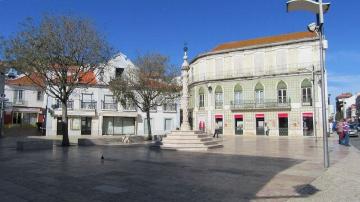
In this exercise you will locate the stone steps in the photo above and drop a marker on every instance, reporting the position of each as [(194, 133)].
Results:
[(190, 141)]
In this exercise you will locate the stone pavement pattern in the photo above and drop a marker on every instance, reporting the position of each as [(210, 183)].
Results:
[(260, 169), (341, 182)]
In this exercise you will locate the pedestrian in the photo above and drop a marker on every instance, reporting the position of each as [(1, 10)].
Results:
[(267, 129), (346, 129), (216, 132), (340, 130)]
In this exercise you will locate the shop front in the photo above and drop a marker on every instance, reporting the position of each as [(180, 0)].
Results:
[(239, 124)]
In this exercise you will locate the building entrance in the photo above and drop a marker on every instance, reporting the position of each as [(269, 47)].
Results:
[(239, 125), (86, 125), (219, 122), (59, 130), (308, 124), (283, 125), (260, 124)]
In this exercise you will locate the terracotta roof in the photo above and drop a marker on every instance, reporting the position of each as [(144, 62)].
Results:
[(344, 95), (25, 81), (87, 78), (265, 40)]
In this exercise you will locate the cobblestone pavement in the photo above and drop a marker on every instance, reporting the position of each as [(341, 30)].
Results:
[(246, 169), (355, 141)]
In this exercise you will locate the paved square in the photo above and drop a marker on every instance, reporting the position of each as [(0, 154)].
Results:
[(247, 168)]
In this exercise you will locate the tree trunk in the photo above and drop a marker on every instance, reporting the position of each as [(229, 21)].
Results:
[(64, 125), (148, 123)]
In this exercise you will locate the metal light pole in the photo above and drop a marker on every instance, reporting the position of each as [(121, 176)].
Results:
[(319, 8)]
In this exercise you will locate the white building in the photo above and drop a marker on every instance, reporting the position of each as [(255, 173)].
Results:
[(93, 110), (25, 106)]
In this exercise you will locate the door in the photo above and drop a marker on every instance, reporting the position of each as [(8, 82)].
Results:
[(260, 123), (219, 122), (239, 126), (86, 125), (59, 130), (283, 126), (308, 126)]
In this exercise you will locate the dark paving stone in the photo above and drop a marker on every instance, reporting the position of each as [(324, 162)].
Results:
[(133, 174)]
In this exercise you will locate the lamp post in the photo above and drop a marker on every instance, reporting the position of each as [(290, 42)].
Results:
[(319, 8)]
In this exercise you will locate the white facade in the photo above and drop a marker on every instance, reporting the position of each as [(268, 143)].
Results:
[(92, 110), (25, 103)]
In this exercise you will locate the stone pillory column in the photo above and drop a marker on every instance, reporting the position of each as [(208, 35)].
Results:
[(185, 93)]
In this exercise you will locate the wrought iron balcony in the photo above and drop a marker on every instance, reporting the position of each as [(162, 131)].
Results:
[(19, 102), (130, 107), (170, 107), (109, 106), (70, 105), (88, 105), (263, 105)]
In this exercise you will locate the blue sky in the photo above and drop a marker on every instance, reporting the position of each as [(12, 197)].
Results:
[(134, 26)]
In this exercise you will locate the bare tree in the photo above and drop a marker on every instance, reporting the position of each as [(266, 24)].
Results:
[(57, 54), (151, 83)]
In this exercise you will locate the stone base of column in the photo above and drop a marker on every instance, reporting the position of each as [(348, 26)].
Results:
[(190, 141)]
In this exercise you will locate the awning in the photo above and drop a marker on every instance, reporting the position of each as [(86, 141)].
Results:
[(308, 114), (218, 116), (238, 116), (282, 115), (259, 116)]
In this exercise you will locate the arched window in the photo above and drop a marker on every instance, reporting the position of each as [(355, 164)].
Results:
[(306, 92), (238, 95), (281, 88), (259, 93), (201, 97), (219, 97)]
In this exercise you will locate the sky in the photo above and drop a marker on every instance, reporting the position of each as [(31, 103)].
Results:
[(140, 26)]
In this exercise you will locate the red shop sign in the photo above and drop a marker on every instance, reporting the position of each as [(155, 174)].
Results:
[(282, 115), (238, 116), (259, 116)]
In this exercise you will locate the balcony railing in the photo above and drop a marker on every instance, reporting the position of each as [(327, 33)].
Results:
[(219, 104), (307, 101), (91, 105), (70, 105), (169, 108), (129, 107), (109, 106), (265, 104), (18, 102)]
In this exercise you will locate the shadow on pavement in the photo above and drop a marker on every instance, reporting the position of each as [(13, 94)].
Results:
[(137, 174)]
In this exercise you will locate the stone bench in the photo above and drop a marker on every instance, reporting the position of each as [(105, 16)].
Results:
[(23, 145)]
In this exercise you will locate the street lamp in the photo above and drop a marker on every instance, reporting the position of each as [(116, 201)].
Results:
[(319, 8)]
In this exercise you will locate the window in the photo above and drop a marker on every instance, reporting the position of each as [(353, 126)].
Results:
[(281, 87), (259, 63), (169, 107), (219, 98), (39, 96), (18, 95), (109, 102), (238, 94), (259, 93), (281, 60), (129, 106), (118, 72), (201, 97), (168, 125), (306, 92)]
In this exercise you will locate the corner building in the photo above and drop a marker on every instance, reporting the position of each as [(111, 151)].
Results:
[(245, 85)]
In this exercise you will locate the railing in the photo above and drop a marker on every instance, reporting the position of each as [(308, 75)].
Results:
[(88, 105), (19, 102), (266, 104), (109, 106), (306, 102), (70, 105), (219, 104), (169, 108), (129, 107)]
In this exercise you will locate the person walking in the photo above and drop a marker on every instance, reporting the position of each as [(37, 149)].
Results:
[(346, 129), (267, 129), (340, 130), (216, 132)]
